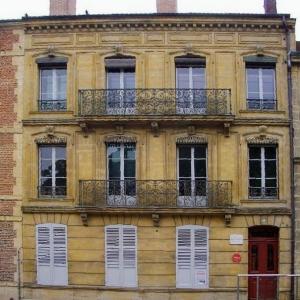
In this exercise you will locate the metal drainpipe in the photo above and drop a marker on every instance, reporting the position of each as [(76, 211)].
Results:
[(291, 134), (19, 275)]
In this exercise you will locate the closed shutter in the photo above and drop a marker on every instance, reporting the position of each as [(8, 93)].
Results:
[(129, 256), (120, 256), (192, 257), (51, 254), (43, 254), (60, 270)]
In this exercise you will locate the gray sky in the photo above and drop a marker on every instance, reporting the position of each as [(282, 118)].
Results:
[(17, 8)]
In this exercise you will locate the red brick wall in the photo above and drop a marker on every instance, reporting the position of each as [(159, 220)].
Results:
[(7, 251), (8, 118), (166, 6), (62, 7)]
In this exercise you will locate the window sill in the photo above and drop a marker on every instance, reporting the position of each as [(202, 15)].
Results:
[(51, 112), (278, 112), (263, 200)]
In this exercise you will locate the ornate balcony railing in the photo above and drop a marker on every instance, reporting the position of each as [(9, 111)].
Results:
[(155, 193), (263, 192), (52, 191), (262, 104), (52, 105), (166, 102)]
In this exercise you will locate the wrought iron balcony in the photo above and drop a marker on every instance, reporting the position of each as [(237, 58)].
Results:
[(52, 105), (152, 102), (262, 104), (263, 192), (52, 191), (155, 194)]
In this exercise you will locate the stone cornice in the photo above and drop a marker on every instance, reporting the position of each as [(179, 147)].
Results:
[(231, 25)]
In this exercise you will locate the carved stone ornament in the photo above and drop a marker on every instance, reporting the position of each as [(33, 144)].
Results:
[(191, 140), (51, 139), (119, 49), (120, 139), (260, 140)]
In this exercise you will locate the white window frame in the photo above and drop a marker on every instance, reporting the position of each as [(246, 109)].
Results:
[(53, 164), (260, 84), (184, 200), (53, 69), (262, 166), (120, 282), (52, 273), (191, 109), (193, 273), (121, 199)]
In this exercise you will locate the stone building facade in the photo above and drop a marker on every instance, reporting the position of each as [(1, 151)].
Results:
[(153, 157)]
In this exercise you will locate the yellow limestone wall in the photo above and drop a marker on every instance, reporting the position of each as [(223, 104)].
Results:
[(155, 51)]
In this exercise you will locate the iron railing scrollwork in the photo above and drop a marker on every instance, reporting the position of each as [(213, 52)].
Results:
[(52, 191), (155, 193), (52, 105), (154, 102), (263, 192), (262, 104)]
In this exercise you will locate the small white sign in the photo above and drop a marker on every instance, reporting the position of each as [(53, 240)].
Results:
[(236, 239)]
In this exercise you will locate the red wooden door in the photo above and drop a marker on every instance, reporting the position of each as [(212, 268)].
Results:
[(263, 259)]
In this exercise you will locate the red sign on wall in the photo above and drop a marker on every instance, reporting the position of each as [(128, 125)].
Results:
[(236, 258)]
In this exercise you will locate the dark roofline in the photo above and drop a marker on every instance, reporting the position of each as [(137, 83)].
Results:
[(11, 21), (298, 45), (156, 15)]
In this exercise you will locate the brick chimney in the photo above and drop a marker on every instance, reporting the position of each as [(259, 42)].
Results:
[(62, 7), (166, 6), (270, 7)]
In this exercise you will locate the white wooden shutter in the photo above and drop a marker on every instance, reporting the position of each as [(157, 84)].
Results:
[(43, 253), (192, 257), (201, 257), (51, 253), (112, 255), (129, 256), (60, 267), (120, 256)]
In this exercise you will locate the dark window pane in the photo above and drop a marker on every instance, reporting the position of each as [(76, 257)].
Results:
[(270, 152), (129, 168), (130, 187), (46, 152), (185, 188), (114, 152), (60, 152), (200, 152), (60, 166), (254, 258), (129, 152), (200, 187), (114, 168), (270, 167), (200, 168), (254, 152), (114, 187), (270, 259), (184, 168), (254, 169), (184, 152), (61, 182), (46, 168), (255, 182), (271, 183), (46, 182)]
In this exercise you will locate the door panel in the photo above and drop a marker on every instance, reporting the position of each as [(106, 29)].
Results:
[(263, 259)]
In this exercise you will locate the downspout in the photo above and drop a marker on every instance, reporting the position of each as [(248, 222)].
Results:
[(291, 135)]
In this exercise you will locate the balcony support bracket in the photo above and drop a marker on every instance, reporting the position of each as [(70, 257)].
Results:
[(84, 219), (227, 218), (84, 129), (155, 128), (156, 220), (226, 129)]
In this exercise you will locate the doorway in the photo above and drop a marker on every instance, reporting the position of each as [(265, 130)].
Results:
[(263, 259)]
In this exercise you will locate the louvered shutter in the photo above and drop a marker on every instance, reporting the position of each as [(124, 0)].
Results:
[(129, 256), (43, 254), (200, 257), (112, 256), (59, 268), (184, 257), (192, 257)]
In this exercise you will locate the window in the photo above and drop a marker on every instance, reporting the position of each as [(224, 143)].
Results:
[(261, 87), (51, 254), (120, 80), (263, 171), (121, 174), (121, 256), (192, 257), (52, 171), (53, 87), (192, 175), (190, 85)]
